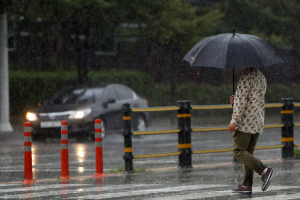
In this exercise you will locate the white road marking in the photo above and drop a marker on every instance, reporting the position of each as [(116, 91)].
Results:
[(200, 191), (155, 161), (75, 191), (42, 187), (200, 195), (279, 197), (149, 191)]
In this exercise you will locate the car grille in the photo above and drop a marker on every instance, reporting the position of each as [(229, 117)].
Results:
[(55, 116)]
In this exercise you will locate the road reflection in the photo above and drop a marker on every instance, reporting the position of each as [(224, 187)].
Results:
[(81, 155), (48, 156), (33, 150), (80, 151)]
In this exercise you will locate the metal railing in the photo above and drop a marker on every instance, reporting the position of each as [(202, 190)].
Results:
[(184, 132)]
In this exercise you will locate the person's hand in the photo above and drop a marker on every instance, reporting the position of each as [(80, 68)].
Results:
[(232, 99), (232, 127)]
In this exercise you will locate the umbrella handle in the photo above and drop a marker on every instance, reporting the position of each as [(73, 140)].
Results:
[(233, 100), (232, 81), (232, 84)]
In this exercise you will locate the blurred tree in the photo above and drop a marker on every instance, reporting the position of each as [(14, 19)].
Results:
[(277, 22), (165, 31), (80, 20), (160, 32), (56, 20), (288, 11), (90, 21)]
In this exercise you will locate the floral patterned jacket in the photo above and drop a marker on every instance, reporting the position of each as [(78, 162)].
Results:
[(249, 102)]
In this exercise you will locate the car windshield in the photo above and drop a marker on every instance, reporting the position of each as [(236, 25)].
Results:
[(78, 96)]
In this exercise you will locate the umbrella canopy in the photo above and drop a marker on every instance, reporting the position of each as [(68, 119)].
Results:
[(232, 51)]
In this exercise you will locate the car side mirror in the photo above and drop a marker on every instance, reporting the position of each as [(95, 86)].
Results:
[(109, 101)]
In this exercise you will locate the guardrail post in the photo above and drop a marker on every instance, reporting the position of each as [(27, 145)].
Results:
[(184, 136), (98, 150), (64, 151), (128, 157), (28, 178), (287, 131)]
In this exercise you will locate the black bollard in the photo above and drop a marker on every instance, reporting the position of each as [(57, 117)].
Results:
[(128, 157), (184, 136), (287, 131)]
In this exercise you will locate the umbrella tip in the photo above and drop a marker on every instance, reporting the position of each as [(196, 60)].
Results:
[(233, 30)]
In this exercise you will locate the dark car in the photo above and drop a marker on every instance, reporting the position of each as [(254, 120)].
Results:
[(81, 105)]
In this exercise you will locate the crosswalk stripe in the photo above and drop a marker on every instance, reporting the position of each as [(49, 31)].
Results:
[(278, 197), (75, 191), (8, 185), (200, 195), (35, 188), (199, 191), (157, 161), (148, 191)]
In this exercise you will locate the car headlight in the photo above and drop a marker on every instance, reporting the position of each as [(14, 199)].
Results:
[(31, 116), (79, 114)]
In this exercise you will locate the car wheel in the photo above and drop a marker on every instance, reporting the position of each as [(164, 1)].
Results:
[(83, 137), (141, 124), (102, 133), (38, 138)]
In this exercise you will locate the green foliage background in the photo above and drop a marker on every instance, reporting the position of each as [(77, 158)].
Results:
[(167, 30)]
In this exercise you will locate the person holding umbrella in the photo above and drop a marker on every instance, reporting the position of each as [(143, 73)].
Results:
[(247, 52), (246, 124)]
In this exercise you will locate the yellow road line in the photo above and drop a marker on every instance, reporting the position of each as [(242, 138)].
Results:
[(270, 147), (297, 104), (154, 109), (156, 155), (198, 107), (210, 129), (155, 132), (273, 126), (225, 150), (210, 107), (211, 151), (273, 105), (226, 128), (297, 124)]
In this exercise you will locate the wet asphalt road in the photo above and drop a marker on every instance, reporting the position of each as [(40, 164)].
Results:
[(212, 173), (46, 156)]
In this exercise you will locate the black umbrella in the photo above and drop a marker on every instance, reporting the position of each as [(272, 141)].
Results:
[(232, 51)]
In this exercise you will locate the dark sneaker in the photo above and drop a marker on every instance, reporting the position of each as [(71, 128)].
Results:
[(242, 190), (266, 178)]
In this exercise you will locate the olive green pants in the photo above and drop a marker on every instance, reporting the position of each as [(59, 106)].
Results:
[(243, 148)]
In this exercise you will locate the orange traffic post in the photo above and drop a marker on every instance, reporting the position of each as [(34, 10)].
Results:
[(64, 151), (98, 150), (27, 154)]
